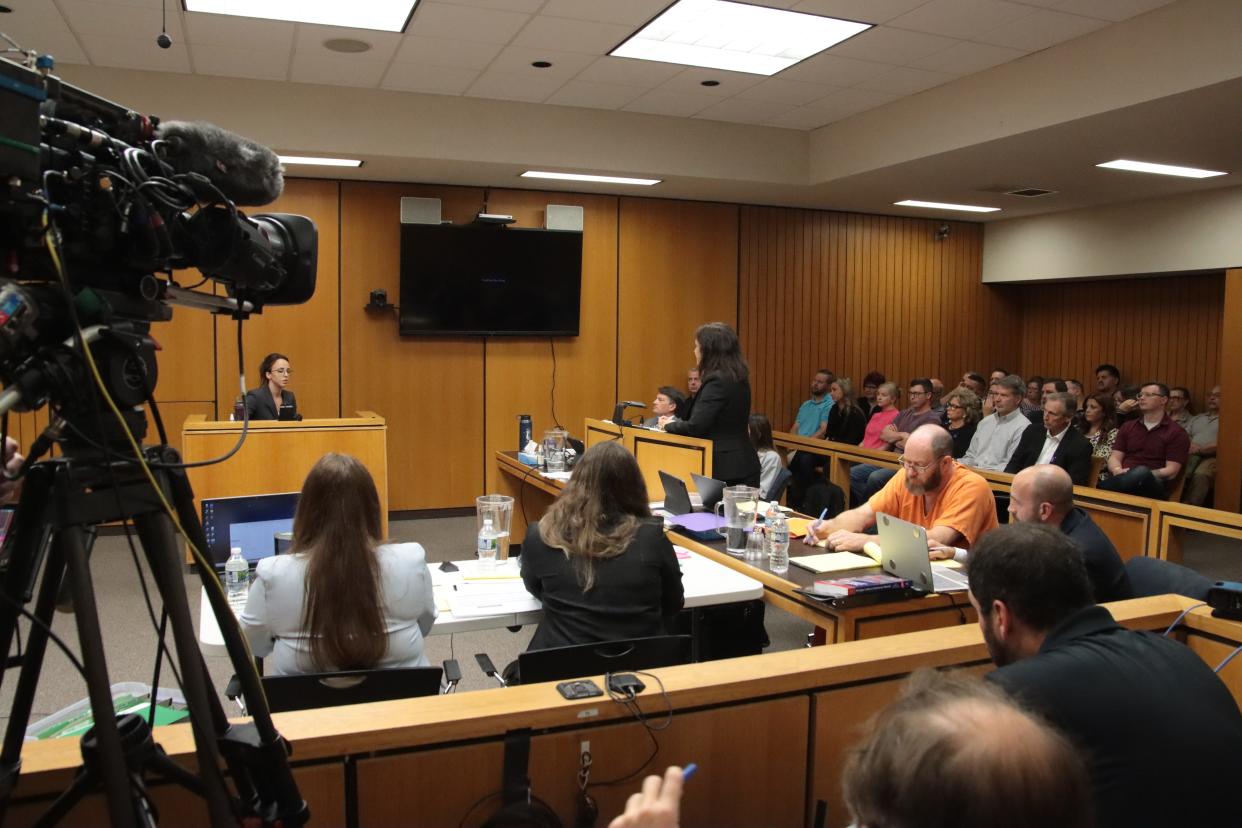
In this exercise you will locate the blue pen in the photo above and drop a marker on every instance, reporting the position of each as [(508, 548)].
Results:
[(688, 770)]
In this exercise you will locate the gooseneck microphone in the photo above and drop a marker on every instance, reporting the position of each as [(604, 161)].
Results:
[(618, 413), (246, 172)]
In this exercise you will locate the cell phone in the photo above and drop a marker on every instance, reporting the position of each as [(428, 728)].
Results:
[(579, 689)]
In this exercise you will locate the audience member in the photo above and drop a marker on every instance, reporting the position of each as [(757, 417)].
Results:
[(597, 560), (341, 599), (770, 462), (1075, 388), (865, 479), (668, 401), (1034, 395), (953, 503), (1126, 400), (993, 378), (937, 397), (811, 421), (1178, 407), (846, 421), (961, 412), (693, 383), (870, 388), (1160, 733), (975, 382), (884, 412), (1150, 452), (1201, 465), (1045, 494), (1054, 441), (1099, 425), (1107, 378), (998, 434), (955, 752), (997, 375)]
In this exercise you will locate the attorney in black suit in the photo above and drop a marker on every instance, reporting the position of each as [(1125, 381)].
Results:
[(273, 400), (1053, 441), (721, 410)]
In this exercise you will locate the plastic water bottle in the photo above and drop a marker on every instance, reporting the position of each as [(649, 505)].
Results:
[(236, 576), (778, 540), (489, 545)]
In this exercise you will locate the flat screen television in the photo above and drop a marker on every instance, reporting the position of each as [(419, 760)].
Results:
[(481, 279)]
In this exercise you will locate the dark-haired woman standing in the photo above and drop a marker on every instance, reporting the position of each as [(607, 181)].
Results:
[(721, 410), (598, 561), (273, 400)]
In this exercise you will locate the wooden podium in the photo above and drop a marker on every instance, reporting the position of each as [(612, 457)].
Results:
[(277, 455)]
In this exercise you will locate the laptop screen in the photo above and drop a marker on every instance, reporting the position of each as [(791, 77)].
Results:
[(250, 522)]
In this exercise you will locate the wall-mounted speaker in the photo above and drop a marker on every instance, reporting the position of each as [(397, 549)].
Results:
[(420, 210), (563, 217)]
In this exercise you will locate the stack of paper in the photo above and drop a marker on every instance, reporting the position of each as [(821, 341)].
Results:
[(500, 596)]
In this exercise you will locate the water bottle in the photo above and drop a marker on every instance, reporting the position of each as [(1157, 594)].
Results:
[(489, 545), (524, 431), (778, 540), (236, 576)]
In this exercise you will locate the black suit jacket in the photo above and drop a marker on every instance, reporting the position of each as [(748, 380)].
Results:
[(721, 414), (1073, 455), (261, 406), (1104, 567)]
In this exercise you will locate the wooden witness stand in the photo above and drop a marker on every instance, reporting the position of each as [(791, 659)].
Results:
[(277, 455)]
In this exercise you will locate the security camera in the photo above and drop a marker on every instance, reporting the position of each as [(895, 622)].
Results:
[(164, 41)]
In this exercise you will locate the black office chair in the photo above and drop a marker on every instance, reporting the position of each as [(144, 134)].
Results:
[(311, 690), (779, 484), (577, 660), (1152, 576)]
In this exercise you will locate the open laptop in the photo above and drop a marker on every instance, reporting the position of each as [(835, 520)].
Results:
[(250, 521), (709, 489), (903, 552)]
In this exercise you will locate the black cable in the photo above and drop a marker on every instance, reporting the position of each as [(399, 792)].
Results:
[(629, 699), (961, 611), (552, 393), (155, 415), (1179, 618), (73, 659), (155, 677)]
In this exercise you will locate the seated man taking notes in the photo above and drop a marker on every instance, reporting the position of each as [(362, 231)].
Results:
[(953, 503)]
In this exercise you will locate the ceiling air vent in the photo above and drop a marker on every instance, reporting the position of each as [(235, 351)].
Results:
[(1029, 192)]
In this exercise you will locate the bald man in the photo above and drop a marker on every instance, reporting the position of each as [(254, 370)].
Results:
[(953, 503), (1045, 494)]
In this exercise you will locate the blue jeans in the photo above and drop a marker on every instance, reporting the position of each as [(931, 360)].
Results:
[(866, 480), (1137, 481)]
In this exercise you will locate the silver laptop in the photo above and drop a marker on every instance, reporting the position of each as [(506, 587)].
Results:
[(903, 552)]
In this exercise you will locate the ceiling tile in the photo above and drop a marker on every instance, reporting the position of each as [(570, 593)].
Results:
[(895, 46), (120, 20), (793, 93), (506, 86), (137, 53), (867, 11), (966, 58), (905, 81), (443, 51), (834, 71), (691, 81), (572, 35), (516, 61), (60, 44), (465, 22), (664, 102), (438, 80), (525, 6), (336, 69), (1040, 30), (851, 101), (960, 18), (803, 117), (595, 95), (230, 62), (742, 111), (631, 12), (629, 72), (1114, 10), (309, 40), (240, 32)]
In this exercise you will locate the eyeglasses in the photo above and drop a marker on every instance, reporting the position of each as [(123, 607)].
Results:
[(954, 405), (918, 393), (914, 467), (1151, 394), (285, 371), (1178, 397)]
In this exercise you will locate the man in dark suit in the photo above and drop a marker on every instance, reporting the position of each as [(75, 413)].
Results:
[(1159, 730), (1054, 441)]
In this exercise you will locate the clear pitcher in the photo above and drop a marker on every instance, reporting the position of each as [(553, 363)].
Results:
[(737, 506)]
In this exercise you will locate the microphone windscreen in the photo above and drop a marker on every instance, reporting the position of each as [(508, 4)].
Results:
[(245, 171)]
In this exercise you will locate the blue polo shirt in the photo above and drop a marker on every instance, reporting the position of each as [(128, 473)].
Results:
[(811, 414)]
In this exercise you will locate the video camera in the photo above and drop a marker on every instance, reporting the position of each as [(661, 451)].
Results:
[(98, 206)]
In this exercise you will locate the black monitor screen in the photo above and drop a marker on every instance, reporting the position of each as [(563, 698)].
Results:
[(250, 522), (488, 279)]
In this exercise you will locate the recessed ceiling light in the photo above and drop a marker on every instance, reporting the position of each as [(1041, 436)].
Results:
[(599, 179), (384, 15), (709, 83), (719, 34), (541, 64), (346, 45), (936, 205), (322, 162), (1160, 169)]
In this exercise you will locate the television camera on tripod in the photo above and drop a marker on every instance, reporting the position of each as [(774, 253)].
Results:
[(99, 205)]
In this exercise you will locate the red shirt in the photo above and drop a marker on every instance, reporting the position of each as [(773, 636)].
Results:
[(1152, 447)]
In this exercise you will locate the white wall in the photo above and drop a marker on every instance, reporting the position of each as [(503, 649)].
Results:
[(1194, 231)]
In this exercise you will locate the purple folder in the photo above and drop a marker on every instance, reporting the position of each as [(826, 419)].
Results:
[(702, 525)]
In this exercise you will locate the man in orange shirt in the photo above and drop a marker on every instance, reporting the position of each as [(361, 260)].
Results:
[(953, 503)]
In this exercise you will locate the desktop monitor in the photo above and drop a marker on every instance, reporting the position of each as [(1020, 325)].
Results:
[(250, 521)]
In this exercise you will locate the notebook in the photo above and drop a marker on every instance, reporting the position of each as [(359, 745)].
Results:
[(903, 548)]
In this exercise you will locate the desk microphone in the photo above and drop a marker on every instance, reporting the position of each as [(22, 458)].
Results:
[(618, 413)]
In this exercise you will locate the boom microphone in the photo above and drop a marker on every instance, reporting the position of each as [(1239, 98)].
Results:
[(248, 173)]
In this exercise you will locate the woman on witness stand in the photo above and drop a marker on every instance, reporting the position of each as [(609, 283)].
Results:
[(962, 412), (340, 600), (721, 410), (598, 560), (770, 460), (273, 400), (885, 412), (846, 421), (1100, 426)]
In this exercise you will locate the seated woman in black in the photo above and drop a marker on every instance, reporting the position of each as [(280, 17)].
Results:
[(273, 400), (598, 561)]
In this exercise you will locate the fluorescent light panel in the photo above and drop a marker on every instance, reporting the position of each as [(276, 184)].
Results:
[(322, 162), (381, 15), (936, 205), (598, 179), (1160, 169), (738, 37)]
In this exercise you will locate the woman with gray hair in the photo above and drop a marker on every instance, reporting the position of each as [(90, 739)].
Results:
[(962, 412)]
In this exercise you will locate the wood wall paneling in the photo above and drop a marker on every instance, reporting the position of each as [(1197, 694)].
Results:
[(1229, 458), (677, 268)]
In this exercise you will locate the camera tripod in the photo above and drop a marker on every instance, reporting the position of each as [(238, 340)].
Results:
[(63, 501)]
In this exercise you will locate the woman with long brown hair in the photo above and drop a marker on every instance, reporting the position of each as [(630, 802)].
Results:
[(598, 560), (340, 600)]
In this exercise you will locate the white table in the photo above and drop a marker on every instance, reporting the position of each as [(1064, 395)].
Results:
[(705, 581)]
